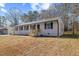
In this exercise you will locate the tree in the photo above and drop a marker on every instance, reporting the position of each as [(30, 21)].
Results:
[(14, 16), (75, 13), (2, 21), (24, 18), (30, 16), (61, 10)]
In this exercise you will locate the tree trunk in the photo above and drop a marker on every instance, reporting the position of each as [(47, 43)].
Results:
[(74, 26)]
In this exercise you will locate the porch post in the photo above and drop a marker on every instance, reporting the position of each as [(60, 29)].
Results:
[(36, 29), (35, 26), (18, 28), (23, 27), (29, 27)]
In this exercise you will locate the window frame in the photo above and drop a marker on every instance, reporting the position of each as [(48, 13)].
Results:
[(49, 25), (26, 27)]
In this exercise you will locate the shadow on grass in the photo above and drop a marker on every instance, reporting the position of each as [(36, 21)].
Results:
[(68, 35), (76, 36), (45, 36), (63, 36)]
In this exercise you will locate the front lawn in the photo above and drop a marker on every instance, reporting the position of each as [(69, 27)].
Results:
[(26, 45)]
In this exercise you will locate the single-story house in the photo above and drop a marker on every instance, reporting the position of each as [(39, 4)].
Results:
[(45, 27), (3, 30)]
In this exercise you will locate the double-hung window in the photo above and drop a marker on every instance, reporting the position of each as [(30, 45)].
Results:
[(49, 25)]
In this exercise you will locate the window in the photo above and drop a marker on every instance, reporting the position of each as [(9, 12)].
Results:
[(49, 25), (26, 27), (21, 27), (38, 26)]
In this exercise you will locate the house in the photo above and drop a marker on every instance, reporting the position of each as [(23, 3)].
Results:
[(45, 27), (3, 30)]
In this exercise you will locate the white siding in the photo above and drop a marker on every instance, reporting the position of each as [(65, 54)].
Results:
[(61, 27), (23, 32), (49, 32)]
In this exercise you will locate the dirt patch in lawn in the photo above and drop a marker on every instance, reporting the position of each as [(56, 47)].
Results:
[(38, 46)]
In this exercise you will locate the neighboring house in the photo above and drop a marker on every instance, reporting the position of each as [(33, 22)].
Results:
[(46, 27), (6, 30), (3, 30)]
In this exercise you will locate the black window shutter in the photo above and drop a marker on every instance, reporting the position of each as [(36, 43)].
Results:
[(38, 26), (45, 26), (51, 25)]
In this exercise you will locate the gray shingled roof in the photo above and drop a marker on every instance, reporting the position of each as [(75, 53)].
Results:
[(40, 21)]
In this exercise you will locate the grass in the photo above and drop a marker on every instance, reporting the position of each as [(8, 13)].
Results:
[(38, 46), (69, 34)]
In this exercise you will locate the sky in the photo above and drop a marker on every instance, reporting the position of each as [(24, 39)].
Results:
[(24, 7)]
